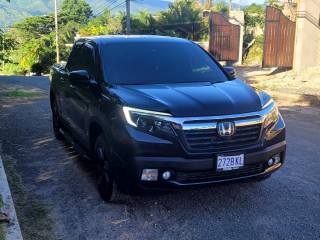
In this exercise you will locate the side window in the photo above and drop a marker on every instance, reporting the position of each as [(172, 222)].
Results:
[(88, 59), (74, 59)]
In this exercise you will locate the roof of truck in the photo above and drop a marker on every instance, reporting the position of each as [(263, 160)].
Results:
[(105, 39)]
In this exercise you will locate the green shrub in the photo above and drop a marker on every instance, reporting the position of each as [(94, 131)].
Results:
[(37, 68)]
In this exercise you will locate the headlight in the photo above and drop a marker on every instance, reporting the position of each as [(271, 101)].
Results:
[(148, 121), (265, 99), (271, 117)]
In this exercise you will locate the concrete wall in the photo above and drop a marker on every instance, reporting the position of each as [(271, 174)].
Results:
[(289, 9), (237, 17), (307, 46)]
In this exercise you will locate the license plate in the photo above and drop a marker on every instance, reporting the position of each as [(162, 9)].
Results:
[(226, 163)]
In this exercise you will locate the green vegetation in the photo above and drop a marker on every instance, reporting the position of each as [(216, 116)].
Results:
[(220, 7), (275, 4), (16, 11), (254, 15), (30, 45), (32, 213), (20, 93), (265, 86), (254, 55)]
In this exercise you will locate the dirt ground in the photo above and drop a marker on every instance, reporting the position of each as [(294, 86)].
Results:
[(55, 194), (286, 86)]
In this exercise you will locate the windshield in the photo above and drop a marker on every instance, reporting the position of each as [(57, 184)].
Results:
[(158, 63)]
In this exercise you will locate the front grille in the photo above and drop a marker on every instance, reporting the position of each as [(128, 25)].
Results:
[(209, 139), (208, 176)]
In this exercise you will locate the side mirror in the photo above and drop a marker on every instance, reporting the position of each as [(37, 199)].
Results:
[(63, 64), (231, 71), (79, 78)]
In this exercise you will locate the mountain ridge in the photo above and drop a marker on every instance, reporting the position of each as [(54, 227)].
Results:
[(17, 10)]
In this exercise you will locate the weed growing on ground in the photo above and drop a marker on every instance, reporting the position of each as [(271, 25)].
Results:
[(20, 93), (33, 215)]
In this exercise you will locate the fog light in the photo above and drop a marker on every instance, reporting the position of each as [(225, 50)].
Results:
[(270, 162), (277, 158), (166, 175), (149, 175)]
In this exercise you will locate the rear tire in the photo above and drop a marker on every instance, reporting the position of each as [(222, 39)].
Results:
[(56, 121), (108, 191)]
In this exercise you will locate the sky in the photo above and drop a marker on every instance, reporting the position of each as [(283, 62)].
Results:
[(248, 2)]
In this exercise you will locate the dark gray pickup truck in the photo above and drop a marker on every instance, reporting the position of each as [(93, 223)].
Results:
[(161, 113)]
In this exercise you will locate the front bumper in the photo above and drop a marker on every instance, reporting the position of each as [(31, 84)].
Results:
[(188, 173), (135, 150)]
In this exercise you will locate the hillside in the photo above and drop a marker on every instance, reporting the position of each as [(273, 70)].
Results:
[(17, 10)]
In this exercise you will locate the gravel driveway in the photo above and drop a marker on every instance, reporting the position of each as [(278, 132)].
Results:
[(48, 173)]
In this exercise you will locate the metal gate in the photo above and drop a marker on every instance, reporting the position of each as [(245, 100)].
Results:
[(224, 38), (279, 36)]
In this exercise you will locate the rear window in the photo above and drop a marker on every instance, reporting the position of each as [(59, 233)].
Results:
[(158, 63)]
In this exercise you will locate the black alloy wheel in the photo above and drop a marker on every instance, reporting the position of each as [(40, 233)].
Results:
[(107, 189)]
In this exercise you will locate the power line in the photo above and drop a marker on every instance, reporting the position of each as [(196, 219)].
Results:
[(119, 5), (106, 7)]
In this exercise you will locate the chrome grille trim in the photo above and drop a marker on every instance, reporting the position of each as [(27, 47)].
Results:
[(210, 122)]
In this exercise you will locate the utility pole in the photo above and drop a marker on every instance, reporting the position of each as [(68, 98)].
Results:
[(128, 17), (3, 52), (57, 31), (3, 49)]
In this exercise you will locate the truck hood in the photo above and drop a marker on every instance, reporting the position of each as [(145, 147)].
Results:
[(191, 99)]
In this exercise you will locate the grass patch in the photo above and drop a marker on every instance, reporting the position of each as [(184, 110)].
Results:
[(20, 93), (33, 214), (260, 86), (2, 229), (255, 53), (264, 86)]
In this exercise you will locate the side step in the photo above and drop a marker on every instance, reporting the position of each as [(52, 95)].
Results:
[(75, 144)]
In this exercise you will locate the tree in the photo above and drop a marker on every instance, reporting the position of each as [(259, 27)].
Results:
[(254, 15), (275, 4), (37, 51), (141, 20), (220, 7), (104, 24), (180, 11), (75, 10), (35, 27), (208, 4)]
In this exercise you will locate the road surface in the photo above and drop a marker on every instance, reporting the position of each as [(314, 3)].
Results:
[(286, 206)]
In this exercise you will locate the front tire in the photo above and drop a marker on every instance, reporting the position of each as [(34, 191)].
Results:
[(56, 121), (108, 191)]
